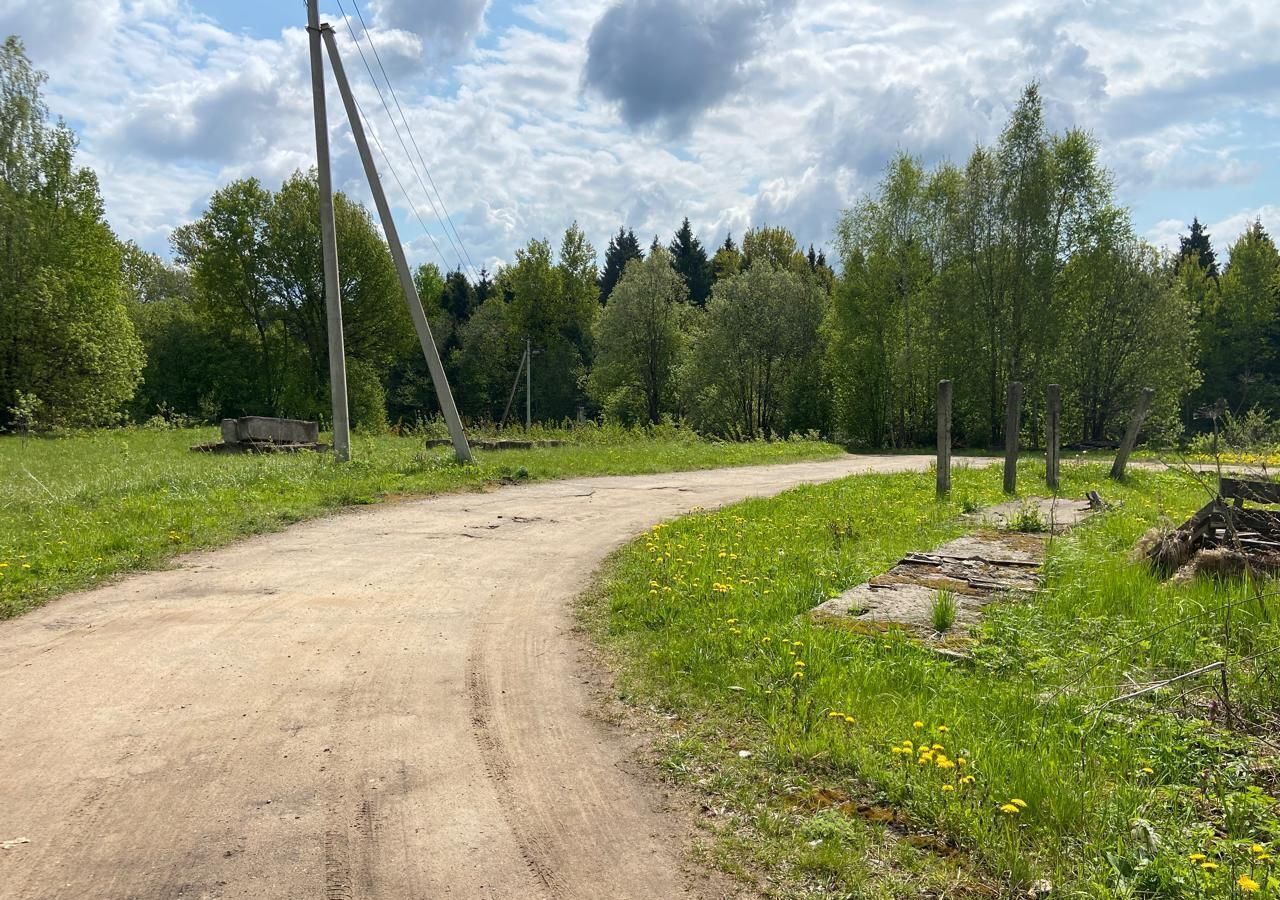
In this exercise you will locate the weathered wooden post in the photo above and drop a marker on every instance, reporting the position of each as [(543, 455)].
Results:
[(1012, 424), (1131, 434), (944, 438), (1052, 435)]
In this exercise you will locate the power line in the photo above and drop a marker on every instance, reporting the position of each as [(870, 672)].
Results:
[(458, 253), (386, 158), (368, 36)]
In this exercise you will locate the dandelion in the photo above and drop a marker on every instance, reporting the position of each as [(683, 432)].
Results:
[(1197, 857), (1257, 849), (799, 663), (917, 724), (966, 779), (848, 720), (909, 745), (1147, 770), (1008, 809), (1021, 804), (943, 729), (797, 674), (961, 761), (944, 763), (947, 789), (1208, 866), (938, 747), (1248, 885)]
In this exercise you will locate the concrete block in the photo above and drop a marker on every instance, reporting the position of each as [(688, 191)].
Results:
[(229, 431), (278, 431)]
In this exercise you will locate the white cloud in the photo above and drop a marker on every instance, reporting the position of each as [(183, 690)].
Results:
[(803, 114)]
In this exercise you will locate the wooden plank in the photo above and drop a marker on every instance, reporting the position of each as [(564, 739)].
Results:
[(944, 437), (1131, 434), (1254, 491), (1052, 435)]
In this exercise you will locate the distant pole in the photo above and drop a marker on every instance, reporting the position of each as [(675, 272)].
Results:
[(528, 384), (1012, 424), (1131, 434), (329, 246), (944, 437), (1052, 435), (420, 323)]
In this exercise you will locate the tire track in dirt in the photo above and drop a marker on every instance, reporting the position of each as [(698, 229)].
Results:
[(387, 703)]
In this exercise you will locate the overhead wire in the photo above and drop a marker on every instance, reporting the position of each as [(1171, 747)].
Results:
[(368, 36), (458, 250)]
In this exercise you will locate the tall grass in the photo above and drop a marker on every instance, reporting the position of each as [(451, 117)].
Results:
[(78, 508), (1103, 799)]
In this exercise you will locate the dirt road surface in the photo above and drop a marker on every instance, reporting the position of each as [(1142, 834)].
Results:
[(385, 703)]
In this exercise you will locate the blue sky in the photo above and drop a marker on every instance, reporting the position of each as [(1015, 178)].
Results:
[(639, 112)]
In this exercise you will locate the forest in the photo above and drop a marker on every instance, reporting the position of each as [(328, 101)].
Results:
[(1021, 264)]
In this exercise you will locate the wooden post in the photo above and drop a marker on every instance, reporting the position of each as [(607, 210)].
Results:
[(944, 438), (1012, 424), (1052, 435), (1131, 434)]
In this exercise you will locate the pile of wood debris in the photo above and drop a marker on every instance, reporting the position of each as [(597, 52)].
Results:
[(1225, 537)]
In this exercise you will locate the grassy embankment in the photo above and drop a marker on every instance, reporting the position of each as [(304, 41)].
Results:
[(77, 509), (810, 742)]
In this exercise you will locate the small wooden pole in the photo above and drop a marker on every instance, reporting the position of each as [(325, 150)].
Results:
[(944, 438), (1131, 434), (1012, 424), (1052, 435)]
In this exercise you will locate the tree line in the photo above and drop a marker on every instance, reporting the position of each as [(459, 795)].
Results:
[(1018, 266)]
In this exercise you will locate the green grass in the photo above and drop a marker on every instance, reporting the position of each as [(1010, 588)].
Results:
[(77, 509), (704, 618)]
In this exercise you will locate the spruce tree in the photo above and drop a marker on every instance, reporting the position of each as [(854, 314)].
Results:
[(1196, 246), (623, 247), (690, 259)]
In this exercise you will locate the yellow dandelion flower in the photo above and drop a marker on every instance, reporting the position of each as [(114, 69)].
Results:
[(961, 761), (1147, 770), (1248, 885), (799, 663), (797, 674), (944, 763), (1197, 857), (1257, 848), (849, 720), (897, 750), (938, 747), (909, 745), (946, 789), (917, 724), (966, 779), (1008, 809), (943, 729), (1208, 866), (1021, 804)]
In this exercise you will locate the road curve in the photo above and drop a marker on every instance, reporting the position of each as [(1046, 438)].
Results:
[(384, 703)]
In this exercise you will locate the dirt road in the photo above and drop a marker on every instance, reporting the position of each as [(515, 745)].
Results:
[(386, 703)]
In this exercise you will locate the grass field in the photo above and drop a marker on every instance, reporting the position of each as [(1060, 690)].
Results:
[(846, 765), (78, 509)]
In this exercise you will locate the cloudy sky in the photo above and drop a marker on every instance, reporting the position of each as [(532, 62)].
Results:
[(732, 112)]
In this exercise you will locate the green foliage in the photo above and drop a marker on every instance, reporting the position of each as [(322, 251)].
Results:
[(1241, 327), (689, 258), (66, 342), (640, 338), (623, 247), (1020, 267), (255, 262), (759, 333), (942, 611)]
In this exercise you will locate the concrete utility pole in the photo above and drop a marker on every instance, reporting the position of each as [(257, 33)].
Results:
[(420, 324), (329, 246)]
